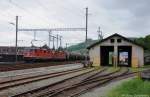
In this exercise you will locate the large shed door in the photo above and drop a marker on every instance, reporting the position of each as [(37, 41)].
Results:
[(124, 55), (106, 55)]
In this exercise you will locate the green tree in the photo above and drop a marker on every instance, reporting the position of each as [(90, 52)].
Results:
[(147, 42), (144, 41)]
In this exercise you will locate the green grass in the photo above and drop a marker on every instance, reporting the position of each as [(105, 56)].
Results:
[(139, 69), (131, 88), (136, 69), (111, 69), (146, 66)]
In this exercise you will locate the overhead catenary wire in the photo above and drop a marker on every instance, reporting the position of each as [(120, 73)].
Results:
[(76, 8), (29, 12), (67, 9), (26, 10), (59, 17), (6, 13)]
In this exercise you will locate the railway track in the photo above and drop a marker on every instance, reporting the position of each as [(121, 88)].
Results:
[(75, 85), (84, 87), (86, 84), (75, 79), (60, 87), (4, 92), (22, 76), (4, 84)]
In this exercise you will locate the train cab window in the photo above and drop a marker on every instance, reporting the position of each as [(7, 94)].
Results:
[(112, 40), (3, 50), (6, 50), (119, 40), (44, 51), (35, 51)]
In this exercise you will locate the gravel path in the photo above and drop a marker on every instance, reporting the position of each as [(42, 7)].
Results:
[(43, 70), (102, 91)]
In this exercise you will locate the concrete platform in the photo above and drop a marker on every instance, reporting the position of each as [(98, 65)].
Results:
[(11, 75)]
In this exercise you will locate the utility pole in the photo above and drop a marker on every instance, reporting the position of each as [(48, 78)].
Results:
[(86, 27), (57, 41), (53, 43), (98, 31), (86, 30), (49, 42), (60, 41), (66, 46), (16, 59), (34, 35)]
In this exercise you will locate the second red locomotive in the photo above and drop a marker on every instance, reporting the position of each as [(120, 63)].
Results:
[(42, 54)]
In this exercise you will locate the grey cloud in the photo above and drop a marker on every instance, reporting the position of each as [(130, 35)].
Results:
[(130, 16), (138, 10)]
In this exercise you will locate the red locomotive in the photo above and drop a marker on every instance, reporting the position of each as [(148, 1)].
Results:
[(36, 54), (41, 54)]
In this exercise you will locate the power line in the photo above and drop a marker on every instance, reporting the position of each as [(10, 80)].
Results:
[(76, 7), (44, 7), (53, 29), (22, 8), (5, 15)]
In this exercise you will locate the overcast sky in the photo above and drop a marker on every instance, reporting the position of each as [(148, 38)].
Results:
[(130, 18)]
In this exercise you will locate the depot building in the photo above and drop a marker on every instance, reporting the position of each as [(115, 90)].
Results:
[(116, 50)]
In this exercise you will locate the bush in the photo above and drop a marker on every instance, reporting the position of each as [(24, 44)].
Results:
[(132, 88)]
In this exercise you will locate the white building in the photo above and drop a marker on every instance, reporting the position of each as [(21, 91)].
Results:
[(118, 51)]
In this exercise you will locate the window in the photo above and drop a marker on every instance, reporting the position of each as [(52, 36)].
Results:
[(119, 40), (35, 51), (4, 50), (31, 50), (112, 40)]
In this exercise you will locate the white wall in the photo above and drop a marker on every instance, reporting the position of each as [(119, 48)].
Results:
[(94, 54), (137, 51)]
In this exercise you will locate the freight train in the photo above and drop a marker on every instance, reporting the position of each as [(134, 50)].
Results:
[(36, 54), (42, 54)]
